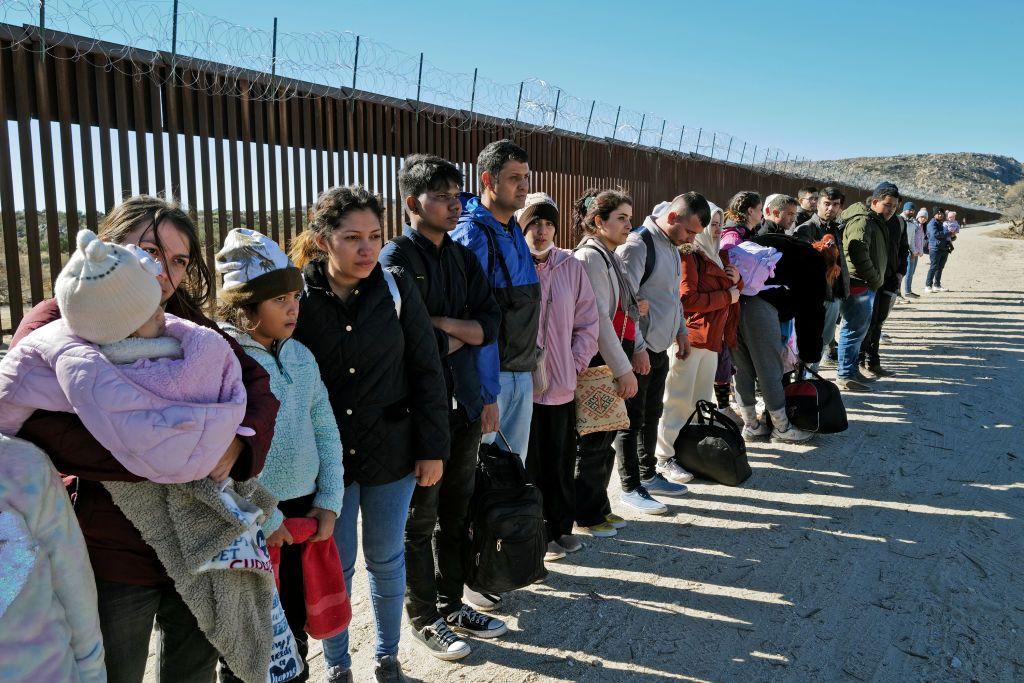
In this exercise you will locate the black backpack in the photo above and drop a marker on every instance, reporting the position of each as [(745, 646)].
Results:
[(506, 525), (814, 405), (711, 446)]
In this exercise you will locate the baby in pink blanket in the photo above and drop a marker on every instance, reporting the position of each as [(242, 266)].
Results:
[(162, 394)]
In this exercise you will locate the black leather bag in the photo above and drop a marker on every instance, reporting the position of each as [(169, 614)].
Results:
[(712, 447), (815, 404), (506, 525)]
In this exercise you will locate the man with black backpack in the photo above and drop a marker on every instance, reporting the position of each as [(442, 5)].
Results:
[(465, 316), (653, 268)]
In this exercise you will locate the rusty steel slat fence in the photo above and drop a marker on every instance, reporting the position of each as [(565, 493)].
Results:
[(121, 127)]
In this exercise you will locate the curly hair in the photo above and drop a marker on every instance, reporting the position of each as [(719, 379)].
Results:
[(330, 209)]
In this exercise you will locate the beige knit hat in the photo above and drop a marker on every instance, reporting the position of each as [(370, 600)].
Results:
[(106, 292), (538, 205)]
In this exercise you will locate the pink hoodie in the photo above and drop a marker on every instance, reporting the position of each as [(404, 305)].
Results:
[(168, 421), (568, 324)]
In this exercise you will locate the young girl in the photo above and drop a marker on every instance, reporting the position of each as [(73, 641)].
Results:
[(568, 339), (710, 291), (602, 221), (260, 303), (48, 620), (369, 330), (162, 394)]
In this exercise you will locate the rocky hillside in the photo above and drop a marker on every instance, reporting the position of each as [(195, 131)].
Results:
[(980, 179)]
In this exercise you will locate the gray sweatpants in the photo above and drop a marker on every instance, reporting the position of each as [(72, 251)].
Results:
[(758, 354)]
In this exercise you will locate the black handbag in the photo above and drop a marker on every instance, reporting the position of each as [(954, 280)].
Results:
[(505, 525), (711, 446), (815, 404)]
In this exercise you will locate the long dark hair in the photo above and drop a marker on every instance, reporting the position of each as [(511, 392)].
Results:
[(593, 203), (195, 289), (330, 208)]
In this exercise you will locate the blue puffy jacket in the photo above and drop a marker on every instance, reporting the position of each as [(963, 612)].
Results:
[(937, 235), (508, 265)]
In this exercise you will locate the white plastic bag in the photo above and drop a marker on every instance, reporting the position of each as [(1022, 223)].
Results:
[(249, 552)]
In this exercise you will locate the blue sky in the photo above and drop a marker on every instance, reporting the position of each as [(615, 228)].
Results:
[(822, 80)]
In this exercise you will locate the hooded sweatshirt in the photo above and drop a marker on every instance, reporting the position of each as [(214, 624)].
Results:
[(568, 324)]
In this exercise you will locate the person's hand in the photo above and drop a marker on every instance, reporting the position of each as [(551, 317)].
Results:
[(734, 294), (324, 524), (682, 346), (489, 419), (223, 468), (643, 306), (733, 272), (641, 362), (428, 472), (627, 385), (279, 537)]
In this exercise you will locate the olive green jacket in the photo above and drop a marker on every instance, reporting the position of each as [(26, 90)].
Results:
[(866, 243)]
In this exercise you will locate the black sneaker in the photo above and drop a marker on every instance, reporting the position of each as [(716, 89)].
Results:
[(440, 641), (388, 670), (467, 620)]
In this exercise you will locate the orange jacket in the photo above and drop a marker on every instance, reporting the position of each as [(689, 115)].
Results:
[(711, 317)]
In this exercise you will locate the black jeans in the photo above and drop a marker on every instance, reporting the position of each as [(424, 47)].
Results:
[(291, 591), (879, 314), (127, 613), (551, 463), (937, 262), (437, 525), (634, 447)]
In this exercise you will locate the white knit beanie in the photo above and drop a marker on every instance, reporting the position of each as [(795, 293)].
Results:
[(254, 268), (105, 292), (538, 205)]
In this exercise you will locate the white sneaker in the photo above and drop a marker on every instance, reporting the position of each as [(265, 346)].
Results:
[(939, 289), (753, 428), (672, 471), (641, 501), (928, 290), (785, 432)]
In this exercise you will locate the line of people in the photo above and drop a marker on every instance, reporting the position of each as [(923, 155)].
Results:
[(353, 381)]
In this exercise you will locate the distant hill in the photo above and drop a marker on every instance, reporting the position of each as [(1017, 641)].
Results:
[(980, 179)]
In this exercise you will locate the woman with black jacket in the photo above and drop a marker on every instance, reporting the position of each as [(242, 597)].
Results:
[(372, 337), (796, 291)]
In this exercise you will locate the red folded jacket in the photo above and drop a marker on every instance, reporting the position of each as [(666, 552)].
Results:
[(328, 611)]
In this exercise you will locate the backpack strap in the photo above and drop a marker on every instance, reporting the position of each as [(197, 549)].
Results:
[(652, 256), (396, 294), (416, 263)]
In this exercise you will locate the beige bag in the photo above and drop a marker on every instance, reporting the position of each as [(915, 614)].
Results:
[(598, 407)]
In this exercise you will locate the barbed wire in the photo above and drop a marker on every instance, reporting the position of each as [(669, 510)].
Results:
[(135, 34)]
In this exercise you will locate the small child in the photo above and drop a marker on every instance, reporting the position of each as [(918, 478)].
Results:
[(259, 302), (162, 394), (49, 624), (951, 224)]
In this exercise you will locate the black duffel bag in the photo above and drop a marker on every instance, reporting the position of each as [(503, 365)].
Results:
[(814, 405), (711, 446), (506, 525)]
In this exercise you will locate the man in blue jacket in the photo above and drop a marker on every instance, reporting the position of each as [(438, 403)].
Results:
[(488, 227), (465, 316), (939, 243)]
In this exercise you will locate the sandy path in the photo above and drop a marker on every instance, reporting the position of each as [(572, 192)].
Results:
[(889, 552)]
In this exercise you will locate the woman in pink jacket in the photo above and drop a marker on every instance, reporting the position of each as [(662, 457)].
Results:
[(567, 339)]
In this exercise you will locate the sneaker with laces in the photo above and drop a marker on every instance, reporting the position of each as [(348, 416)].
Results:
[(616, 521), (388, 670), (484, 602), (440, 641), (602, 530), (335, 674), (662, 486), (757, 430), (640, 500), (672, 471), (791, 435), (928, 290), (467, 620), (570, 543), (554, 552), (939, 289)]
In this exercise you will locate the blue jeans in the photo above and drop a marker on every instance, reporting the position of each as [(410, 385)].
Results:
[(385, 509), (515, 411), (856, 310), (908, 279), (828, 333), (937, 262)]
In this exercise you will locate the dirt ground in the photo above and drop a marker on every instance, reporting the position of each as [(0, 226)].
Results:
[(887, 553)]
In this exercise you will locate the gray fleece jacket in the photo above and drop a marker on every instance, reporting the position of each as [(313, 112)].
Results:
[(188, 525), (665, 318)]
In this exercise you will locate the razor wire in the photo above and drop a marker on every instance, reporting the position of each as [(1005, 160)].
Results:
[(142, 38)]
